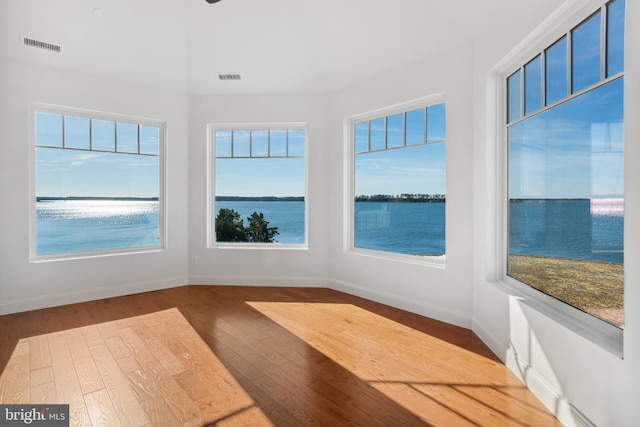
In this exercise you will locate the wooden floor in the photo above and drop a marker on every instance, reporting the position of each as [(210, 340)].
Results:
[(207, 355)]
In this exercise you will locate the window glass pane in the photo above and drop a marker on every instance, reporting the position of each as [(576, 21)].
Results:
[(241, 143), (377, 134), (271, 187), (49, 129), (556, 71), (103, 135), (361, 137), (113, 205), (278, 144), (615, 37), (259, 143), (223, 143), (415, 127), (127, 138), (395, 131), (533, 86), (436, 123), (586, 54), (297, 140), (514, 97), (566, 202), (77, 133), (400, 200), (149, 140)]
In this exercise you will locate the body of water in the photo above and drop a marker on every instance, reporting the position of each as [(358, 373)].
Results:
[(91, 225), (578, 229), (407, 228)]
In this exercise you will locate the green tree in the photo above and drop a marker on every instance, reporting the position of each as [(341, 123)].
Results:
[(229, 227), (258, 229)]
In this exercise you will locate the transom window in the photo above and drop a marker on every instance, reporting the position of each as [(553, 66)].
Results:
[(566, 177), (97, 183), (259, 184), (399, 180)]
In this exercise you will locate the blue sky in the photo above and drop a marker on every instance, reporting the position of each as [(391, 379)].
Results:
[(573, 150), (419, 169), (260, 177), (63, 173)]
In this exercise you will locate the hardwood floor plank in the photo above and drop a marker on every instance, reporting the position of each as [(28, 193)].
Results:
[(67, 385), (39, 354), (15, 380), (101, 410), (215, 355), (44, 393), (159, 380), (117, 386), (159, 412), (86, 370)]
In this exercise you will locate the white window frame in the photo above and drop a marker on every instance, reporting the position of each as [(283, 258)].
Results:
[(212, 243), (349, 181), (35, 108), (598, 331)]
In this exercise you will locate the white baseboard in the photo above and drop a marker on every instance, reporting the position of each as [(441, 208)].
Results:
[(553, 399), (271, 281), (442, 314), (64, 298)]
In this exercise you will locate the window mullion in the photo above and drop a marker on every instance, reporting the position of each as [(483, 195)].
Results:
[(569, 63), (384, 126), (251, 143), (404, 129), (603, 42), (543, 80), (64, 137), (232, 142), (425, 125), (523, 94)]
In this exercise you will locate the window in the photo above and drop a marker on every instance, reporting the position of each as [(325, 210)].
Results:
[(399, 188), (259, 184), (97, 183), (565, 173)]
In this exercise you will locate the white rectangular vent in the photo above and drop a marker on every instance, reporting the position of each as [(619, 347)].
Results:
[(42, 45), (229, 76)]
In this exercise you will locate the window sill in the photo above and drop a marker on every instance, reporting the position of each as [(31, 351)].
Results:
[(95, 254), (437, 261), (599, 332), (262, 246)]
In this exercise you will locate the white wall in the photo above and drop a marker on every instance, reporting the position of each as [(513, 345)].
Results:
[(441, 293), (25, 285), (567, 371), (268, 266), (578, 380)]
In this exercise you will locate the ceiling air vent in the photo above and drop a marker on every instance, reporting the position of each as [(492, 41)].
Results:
[(42, 45), (229, 76)]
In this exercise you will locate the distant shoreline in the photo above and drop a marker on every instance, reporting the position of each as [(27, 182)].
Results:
[(74, 198), (402, 198), (259, 198)]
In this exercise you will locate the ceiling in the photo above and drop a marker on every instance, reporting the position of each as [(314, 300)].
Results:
[(277, 46)]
